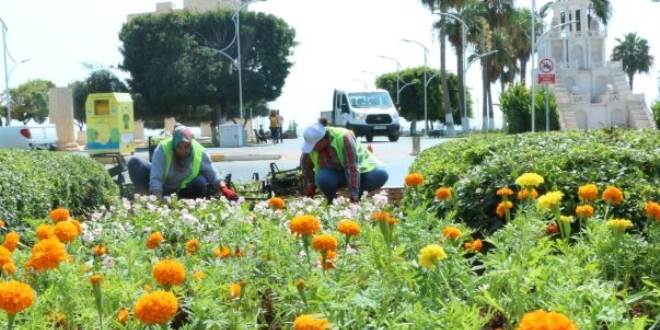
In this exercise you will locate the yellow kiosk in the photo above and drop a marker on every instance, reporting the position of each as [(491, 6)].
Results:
[(109, 123)]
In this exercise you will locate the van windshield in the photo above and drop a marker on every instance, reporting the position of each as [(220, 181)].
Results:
[(370, 100)]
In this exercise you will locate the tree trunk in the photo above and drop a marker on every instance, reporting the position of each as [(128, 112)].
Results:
[(461, 87), (446, 100), (484, 103)]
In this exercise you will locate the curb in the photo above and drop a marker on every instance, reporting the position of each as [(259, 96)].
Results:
[(218, 157)]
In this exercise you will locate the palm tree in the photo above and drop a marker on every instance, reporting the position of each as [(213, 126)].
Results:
[(633, 52)]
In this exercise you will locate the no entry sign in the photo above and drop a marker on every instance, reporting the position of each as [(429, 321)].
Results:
[(546, 71)]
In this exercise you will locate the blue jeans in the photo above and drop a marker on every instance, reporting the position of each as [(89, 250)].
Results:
[(330, 180), (139, 170)]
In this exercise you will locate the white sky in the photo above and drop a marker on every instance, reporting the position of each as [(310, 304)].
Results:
[(337, 40)]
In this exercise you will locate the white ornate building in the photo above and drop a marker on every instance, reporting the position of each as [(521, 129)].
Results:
[(591, 92)]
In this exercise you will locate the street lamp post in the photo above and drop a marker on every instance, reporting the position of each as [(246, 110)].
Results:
[(426, 82), (4, 53)]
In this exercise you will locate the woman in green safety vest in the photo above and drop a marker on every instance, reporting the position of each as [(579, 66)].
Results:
[(333, 158), (180, 165)]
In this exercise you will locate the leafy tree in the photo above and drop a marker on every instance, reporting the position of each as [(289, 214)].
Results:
[(633, 52), (30, 101), (176, 69), (514, 103), (655, 109), (101, 81)]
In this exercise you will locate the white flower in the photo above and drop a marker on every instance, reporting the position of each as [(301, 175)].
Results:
[(108, 261), (88, 237)]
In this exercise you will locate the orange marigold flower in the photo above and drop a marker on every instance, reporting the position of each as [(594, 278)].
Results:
[(96, 279), (235, 290), (502, 207), (123, 315), (324, 242), (15, 296), (348, 228), (276, 203), (156, 307), (652, 210), (380, 216), (452, 232), (154, 240), (310, 322), (305, 225), (99, 250), (414, 180), (542, 320), (504, 192), (2, 223), (5, 256), (552, 228), (522, 194), (198, 274), (474, 246), (47, 254), (612, 195), (9, 268), (588, 192), (192, 246), (11, 241), (65, 231), (169, 272), (60, 214), (584, 211), (223, 253), (77, 224), (238, 252), (329, 260), (45, 231), (442, 194)]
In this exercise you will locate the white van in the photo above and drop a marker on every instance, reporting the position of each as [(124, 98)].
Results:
[(367, 112)]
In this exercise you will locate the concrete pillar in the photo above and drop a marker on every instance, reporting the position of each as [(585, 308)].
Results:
[(169, 125), (138, 133), (60, 113), (205, 129)]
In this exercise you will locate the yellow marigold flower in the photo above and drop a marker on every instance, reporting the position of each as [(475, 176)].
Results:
[(300, 284), (310, 322), (192, 246), (504, 192), (584, 211), (235, 289), (2, 223), (529, 180), (77, 224), (588, 192), (305, 225), (474, 246), (430, 255), (11, 241), (65, 231), (198, 274), (542, 320), (414, 180), (550, 200), (324, 242), (154, 240), (329, 260), (156, 307), (47, 254), (619, 224), (276, 203), (15, 296), (146, 288), (99, 250), (348, 228), (169, 272), (452, 232), (123, 315), (96, 279), (380, 216), (567, 218), (612, 195), (522, 194), (442, 194), (652, 210), (60, 214), (9, 268), (223, 253), (502, 207), (45, 231)]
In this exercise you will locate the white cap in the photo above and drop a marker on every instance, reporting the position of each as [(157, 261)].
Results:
[(312, 135)]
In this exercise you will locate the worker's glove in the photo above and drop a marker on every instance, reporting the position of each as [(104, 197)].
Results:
[(228, 193), (354, 199), (310, 191)]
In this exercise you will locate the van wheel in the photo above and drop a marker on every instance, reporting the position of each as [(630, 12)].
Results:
[(393, 138), (370, 138)]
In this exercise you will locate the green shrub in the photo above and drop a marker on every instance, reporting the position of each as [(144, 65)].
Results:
[(32, 183), (477, 166)]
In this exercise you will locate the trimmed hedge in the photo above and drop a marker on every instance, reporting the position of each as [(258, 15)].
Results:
[(477, 166), (32, 183)]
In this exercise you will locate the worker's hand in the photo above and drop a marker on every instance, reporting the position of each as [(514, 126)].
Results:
[(228, 193), (310, 191)]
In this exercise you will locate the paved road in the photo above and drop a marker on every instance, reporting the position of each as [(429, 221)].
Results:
[(397, 157)]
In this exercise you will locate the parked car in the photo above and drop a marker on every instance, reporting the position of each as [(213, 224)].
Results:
[(24, 137)]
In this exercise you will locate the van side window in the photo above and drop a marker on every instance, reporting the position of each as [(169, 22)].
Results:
[(344, 104)]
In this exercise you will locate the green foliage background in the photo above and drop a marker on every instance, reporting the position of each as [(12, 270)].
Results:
[(515, 102)]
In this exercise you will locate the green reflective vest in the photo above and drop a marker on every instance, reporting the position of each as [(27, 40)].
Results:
[(168, 150), (366, 161)]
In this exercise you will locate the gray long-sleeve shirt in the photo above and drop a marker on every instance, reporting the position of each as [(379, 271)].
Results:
[(175, 177)]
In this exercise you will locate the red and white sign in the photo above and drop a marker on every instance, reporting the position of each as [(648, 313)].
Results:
[(546, 73)]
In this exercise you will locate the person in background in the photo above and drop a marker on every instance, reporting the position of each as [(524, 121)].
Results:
[(332, 158), (280, 123), (274, 129), (180, 165)]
